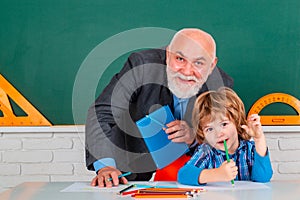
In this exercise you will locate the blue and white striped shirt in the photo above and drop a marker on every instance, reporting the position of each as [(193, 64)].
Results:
[(251, 166)]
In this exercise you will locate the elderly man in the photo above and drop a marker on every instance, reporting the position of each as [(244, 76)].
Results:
[(172, 76)]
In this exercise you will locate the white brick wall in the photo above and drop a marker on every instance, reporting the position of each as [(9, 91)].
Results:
[(42, 154), (57, 154), (284, 149)]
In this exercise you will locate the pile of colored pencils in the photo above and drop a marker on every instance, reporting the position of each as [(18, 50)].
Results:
[(164, 192)]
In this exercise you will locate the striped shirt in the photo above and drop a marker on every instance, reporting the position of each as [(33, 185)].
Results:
[(250, 165)]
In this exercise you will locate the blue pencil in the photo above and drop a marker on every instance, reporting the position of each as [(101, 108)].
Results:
[(227, 157), (120, 176)]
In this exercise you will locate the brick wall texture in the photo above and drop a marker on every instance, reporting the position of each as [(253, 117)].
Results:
[(54, 157)]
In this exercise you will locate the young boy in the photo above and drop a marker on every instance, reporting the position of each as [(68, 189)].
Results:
[(218, 116)]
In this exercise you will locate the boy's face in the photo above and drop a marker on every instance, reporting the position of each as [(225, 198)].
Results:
[(221, 129)]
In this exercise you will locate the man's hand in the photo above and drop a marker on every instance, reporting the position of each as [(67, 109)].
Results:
[(102, 179), (180, 131)]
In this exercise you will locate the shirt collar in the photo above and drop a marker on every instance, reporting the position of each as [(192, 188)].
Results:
[(177, 100)]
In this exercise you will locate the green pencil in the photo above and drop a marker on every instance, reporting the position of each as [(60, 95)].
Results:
[(227, 157)]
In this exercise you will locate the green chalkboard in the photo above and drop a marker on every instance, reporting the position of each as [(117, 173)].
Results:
[(48, 46)]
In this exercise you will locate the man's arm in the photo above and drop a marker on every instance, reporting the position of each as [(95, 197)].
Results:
[(110, 128), (106, 124), (104, 162)]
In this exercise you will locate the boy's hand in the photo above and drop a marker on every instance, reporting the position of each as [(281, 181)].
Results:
[(253, 127), (228, 171)]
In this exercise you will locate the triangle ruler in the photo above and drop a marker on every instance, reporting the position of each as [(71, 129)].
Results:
[(277, 119), (33, 116)]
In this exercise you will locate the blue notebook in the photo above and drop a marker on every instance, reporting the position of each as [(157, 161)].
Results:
[(163, 150)]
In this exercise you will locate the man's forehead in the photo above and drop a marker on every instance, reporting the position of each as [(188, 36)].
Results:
[(193, 44)]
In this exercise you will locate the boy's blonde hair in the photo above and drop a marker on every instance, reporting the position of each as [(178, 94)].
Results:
[(213, 103)]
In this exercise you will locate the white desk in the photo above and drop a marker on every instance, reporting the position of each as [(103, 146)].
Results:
[(285, 190)]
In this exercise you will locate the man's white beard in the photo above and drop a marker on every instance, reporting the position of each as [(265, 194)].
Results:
[(182, 90)]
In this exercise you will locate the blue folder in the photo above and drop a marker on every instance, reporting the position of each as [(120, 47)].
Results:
[(163, 150)]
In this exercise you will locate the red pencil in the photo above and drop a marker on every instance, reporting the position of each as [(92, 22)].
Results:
[(185, 191), (161, 196), (130, 192)]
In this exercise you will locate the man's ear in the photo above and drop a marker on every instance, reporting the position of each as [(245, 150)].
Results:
[(213, 64), (167, 55)]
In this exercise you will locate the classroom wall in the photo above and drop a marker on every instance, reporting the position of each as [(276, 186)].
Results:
[(45, 45), (59, 156)]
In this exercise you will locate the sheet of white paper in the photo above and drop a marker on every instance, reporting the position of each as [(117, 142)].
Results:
[(238, 185), (86, 187)]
